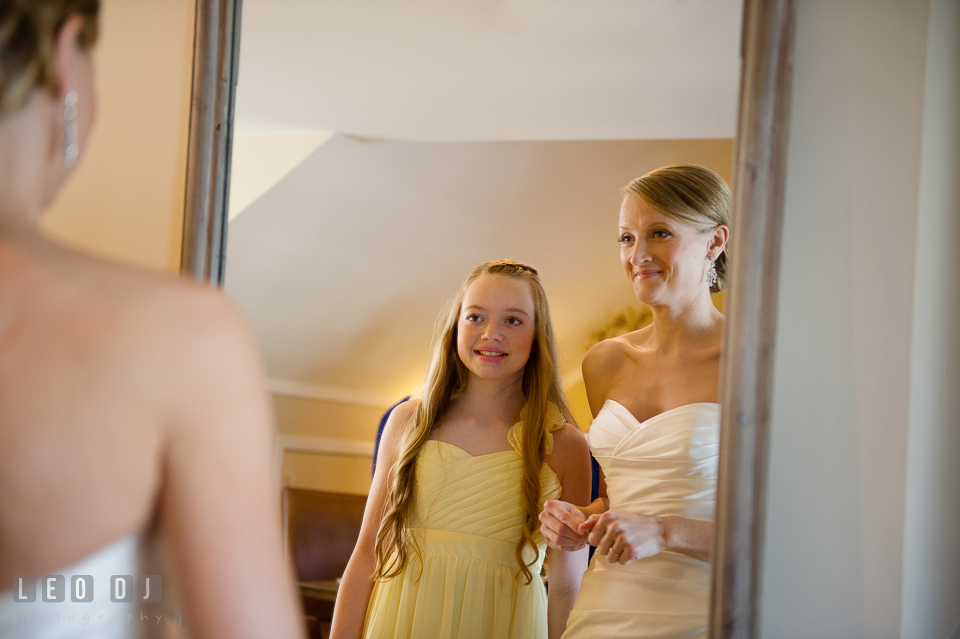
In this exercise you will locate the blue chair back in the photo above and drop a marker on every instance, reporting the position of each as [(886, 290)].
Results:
[(383, 422)]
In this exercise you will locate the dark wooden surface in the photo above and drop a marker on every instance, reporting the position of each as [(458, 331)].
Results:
[(324, 590), (747, 369), (321, 530)]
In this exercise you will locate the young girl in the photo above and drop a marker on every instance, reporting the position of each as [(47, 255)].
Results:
[(450, 544)]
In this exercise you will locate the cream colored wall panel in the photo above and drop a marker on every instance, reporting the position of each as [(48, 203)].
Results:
[(125, 200), (931, 556), (833, 555), (331, 420), (328, 473)]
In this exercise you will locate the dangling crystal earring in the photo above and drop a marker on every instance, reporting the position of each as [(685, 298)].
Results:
[(71, 131), (712, 274)]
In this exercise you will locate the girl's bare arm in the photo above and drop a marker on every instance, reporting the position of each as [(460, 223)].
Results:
[(354, 594), (570, 459)]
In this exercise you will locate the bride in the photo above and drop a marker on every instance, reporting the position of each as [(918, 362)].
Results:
[(653, 394), (132, 410)]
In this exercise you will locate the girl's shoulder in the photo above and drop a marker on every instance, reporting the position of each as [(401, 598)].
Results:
[(563, 439), (404, 411), (568, 440), (569, 455), (553, 421), (400, 420)]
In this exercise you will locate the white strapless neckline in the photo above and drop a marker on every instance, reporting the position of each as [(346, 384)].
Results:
[(614, 404), (101, 618), (665, 465)]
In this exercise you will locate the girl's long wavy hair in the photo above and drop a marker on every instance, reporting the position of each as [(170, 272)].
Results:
[(446, 379)]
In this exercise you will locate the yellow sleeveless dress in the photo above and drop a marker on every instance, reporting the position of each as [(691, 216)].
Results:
[(468, 516)]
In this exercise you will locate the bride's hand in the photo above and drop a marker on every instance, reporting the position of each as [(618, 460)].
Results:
[(623, 537), (560, 523)]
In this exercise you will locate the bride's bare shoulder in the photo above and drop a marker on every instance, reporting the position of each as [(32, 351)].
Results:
[(608, 361), (609, 355), (183, 323), (121, 318)]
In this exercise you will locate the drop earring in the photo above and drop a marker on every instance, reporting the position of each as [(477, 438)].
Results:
[(71, 131), (712, 274)]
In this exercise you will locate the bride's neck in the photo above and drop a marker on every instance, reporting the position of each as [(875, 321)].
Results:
[(685, 324), (26, 183)]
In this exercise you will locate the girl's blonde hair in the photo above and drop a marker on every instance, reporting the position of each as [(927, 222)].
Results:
[(693, 195), (446, 380), (28, 36)]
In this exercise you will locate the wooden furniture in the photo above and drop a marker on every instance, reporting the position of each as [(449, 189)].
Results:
[(320, 530), (324, 590)]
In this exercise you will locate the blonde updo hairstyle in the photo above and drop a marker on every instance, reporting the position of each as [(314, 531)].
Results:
[(28, 35), (692, 195)]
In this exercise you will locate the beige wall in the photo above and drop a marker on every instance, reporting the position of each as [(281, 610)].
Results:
[(125, 200), (326, 420), (579, 406), (317, 418), (327, 473), (857, 375)]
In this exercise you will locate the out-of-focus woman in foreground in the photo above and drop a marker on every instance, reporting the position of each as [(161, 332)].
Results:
[(129, 403)]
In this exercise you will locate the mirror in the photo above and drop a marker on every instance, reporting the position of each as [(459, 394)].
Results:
[(381, 152)]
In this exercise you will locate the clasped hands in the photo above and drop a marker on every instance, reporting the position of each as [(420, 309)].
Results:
[(622, 536)]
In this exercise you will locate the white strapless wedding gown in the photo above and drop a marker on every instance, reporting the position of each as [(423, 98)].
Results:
[(100, 618), (666, 465)]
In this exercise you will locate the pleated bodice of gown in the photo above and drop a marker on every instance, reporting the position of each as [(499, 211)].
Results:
[(467, 519), (664, 466)]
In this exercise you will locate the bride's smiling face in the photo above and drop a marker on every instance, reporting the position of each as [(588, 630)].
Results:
[(665, 260), (495, 330)]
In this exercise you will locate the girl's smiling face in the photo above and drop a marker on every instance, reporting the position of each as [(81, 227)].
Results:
[(665, 260), (495, 330)]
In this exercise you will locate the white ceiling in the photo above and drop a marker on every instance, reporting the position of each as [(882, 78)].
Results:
[(491, 70), (466, 132)]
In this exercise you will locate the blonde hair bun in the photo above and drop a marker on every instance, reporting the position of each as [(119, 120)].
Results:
[(692, 195), (28, 35)]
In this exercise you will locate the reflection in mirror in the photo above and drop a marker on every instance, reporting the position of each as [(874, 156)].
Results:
[(380, 153)]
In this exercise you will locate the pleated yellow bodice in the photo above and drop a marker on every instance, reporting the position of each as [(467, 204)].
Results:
[(468, 517)]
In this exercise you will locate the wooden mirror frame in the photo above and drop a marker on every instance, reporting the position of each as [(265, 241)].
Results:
[(751, 306), (746, 386), (216, 58)]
